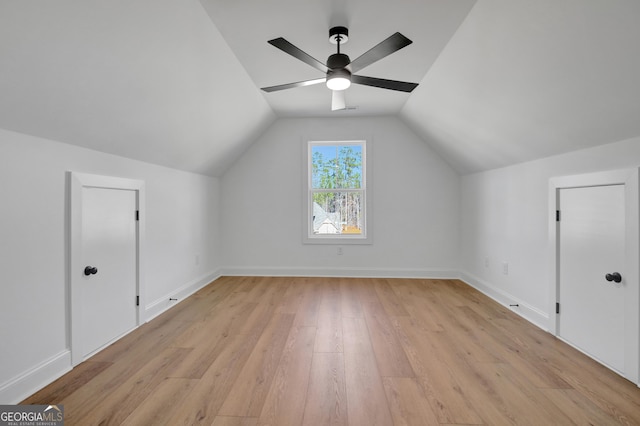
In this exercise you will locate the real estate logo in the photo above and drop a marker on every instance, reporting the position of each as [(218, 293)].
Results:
[(31, 415)]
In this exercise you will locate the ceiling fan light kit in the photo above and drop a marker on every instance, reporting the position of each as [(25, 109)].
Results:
[(339, 67), (339, 79)]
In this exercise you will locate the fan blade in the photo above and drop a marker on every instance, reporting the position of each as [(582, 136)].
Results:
[(292, 85), (401, 86), (384, 48), (337, 100), (292, 50)]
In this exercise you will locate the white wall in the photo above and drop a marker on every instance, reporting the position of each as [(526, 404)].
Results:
[(415, 204), (504, 218), (181, 223)]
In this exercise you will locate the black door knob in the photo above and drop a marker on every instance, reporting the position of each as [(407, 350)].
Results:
[(616, 277), (90, 270)]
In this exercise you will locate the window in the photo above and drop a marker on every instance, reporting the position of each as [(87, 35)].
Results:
[(336, 192)]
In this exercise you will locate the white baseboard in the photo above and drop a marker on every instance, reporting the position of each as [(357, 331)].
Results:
[(157, 307), (526, 311), (17, 389), (340, 272)]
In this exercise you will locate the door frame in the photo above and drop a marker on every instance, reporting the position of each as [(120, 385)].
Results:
[(630, 179), (78, 181)]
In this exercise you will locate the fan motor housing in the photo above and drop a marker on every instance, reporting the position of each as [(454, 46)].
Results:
[(337, 61)]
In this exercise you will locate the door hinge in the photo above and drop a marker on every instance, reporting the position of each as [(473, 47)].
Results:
[(557, 307), (137, 300), (137, 214), (557, 215)]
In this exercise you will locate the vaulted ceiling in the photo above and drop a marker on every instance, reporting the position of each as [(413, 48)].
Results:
[(177, 82)]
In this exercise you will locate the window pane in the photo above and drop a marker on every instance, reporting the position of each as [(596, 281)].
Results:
[(336, 166), (337, 213)]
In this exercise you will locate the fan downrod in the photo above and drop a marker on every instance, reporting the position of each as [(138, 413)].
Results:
[(337, 61)]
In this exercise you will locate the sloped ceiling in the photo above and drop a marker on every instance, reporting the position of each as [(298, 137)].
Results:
[(151, 80), (176, 82), (522, 80)]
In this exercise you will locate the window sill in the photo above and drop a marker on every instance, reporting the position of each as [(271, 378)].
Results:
[(338, 241)]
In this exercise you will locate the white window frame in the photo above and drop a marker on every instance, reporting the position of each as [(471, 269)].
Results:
[(308, 236)]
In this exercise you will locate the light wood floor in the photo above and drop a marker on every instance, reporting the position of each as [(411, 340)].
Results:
[(335, 351)]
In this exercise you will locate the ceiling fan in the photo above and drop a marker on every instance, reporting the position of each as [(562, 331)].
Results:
[(340, 70)]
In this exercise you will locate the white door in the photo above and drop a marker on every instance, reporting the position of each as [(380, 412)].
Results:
[(109, 244), (592, 245)]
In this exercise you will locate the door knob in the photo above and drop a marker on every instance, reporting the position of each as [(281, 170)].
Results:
[(616, 277), (90, 270)]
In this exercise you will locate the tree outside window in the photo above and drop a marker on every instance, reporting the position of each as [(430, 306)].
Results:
[(337, 188)]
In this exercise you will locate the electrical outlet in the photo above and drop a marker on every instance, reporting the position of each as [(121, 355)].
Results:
[(197, 259), (486, 262), (340, 251), (505, 268)]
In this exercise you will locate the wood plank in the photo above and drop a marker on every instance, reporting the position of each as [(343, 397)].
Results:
[(444, 393), (250, 389), (412, 295), (307, 309), (157, 407), (151, 337), (366, 399), (284, 404), (218, 321), (264, 290), (210, 339), (536, 371), (516, 399), (580, 409), (290, 301), (329, 332), (483, 401), (67, 384), (234, 421), (389, 354), (82, 400), (351, 307), (115, 407), (204, 401), (609, 392), (408, 404), (392, 303), (464, 334), (326, 402), (497, 392), (199, 303), (267, 299), (244, 284), (200, 358)]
